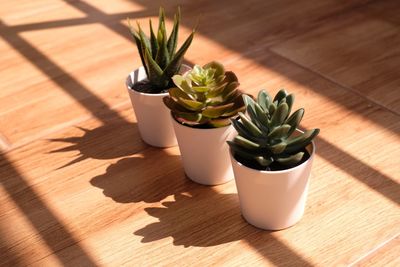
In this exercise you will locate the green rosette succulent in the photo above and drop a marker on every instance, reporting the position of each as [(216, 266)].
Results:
[(205, 97), (266, 133), (158, 52)]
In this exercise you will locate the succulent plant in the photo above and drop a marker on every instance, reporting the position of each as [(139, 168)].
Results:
[(158, 53), (205, 97), (266, 132)]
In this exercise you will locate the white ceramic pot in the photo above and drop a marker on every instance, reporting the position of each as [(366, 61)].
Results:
[(273, 200), (205, 153), (153, 117)]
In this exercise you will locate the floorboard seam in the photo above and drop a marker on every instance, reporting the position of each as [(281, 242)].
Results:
[(340, 85), (364, 256)]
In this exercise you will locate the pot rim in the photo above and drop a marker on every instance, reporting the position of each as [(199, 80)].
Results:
[(313, 148), (129, 81), (202, 129)]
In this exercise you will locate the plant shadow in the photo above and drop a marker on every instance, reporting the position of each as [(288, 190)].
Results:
[(204, 218), (149, 176)]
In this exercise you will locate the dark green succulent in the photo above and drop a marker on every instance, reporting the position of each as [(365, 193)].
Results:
[(205, 97), (158, 53), (266, 133)]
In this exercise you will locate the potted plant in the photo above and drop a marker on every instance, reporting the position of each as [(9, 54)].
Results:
[(202, 103), (271, 161), (151, 82)]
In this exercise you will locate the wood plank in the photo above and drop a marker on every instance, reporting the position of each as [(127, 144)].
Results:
[(134, 213), (357, 50), (387, 255)]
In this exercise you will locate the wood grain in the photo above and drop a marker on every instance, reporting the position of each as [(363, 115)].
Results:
[(79, 187)]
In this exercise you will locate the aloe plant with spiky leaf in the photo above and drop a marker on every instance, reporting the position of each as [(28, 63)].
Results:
[(205, 97), (159, 54), (266, 133)]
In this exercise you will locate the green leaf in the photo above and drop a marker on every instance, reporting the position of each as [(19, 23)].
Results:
[(191, 104), (301, 141), (240, 140), (162, 57), (250, 126), (264, 99), (215, 112), (173, 105), (161, 17), (219, 122), (243, 152), (219, 68), (173, 38), (254, 118), (182, 83), (154, 71), (262, 117), (294, 120), (264, 161), (280, 95), (177, 93), (279, 132), (278, 148), (291, 160), (188, 117), (153, 41), (175, 64), (243, 131), (279, 115), (289, 101)]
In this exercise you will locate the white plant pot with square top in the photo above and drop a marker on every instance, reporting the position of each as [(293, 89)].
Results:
[(273, 200), (153, 117), (205, 153)]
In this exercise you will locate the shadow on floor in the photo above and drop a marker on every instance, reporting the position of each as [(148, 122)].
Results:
[(205, 218), (51, 230)]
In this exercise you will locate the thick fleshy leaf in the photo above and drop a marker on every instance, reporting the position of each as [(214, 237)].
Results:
[(261, 115), (250, 126), (173, 105), (215, 112), (200, 89), (249, 102), (264, 99), (243, 131), (215, 123), (219, 68), (278, 148), (279, 132), (161, 17), (263, 161), (294, 120), (188, 117), (272, 107), (154, 71), (191, 104), (280, 95), (301, 141), (177, 93), (241, 151), (289, 101), (254, 118), (183, 84), (279, 115), (240, 140), (291, 160)]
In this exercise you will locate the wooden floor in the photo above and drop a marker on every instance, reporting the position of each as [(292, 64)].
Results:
[(79, 187)]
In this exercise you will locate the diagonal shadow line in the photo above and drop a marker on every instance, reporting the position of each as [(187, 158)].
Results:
[(80, 93), (371, 177), (51, 229), (104, 19)]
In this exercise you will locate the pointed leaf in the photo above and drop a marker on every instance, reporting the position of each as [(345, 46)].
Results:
[(173, 38), (263, 161), (294, 120), (174, 65), (173, 105), (153, 41)]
